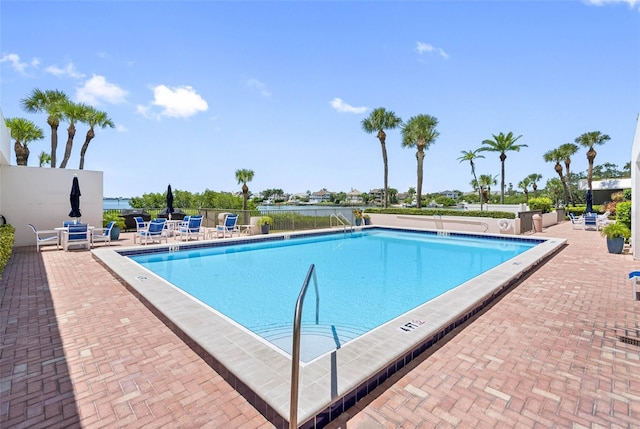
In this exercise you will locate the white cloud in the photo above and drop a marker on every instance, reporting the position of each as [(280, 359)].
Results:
[(342, 107), (68, 70), (121, 128), (178, 102), (97, 89), (423, 48), (16, 64), (256, 84), (631, 3)]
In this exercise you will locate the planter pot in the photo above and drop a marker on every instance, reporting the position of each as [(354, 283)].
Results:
[(115, 232), (367, 221), (358, 221), (265, 228), (615, 245)]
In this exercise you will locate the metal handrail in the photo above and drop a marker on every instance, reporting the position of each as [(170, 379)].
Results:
[(295, 349), (340, 218)]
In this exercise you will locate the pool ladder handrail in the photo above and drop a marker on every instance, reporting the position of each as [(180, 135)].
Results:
[(341, 219), (295, 349)]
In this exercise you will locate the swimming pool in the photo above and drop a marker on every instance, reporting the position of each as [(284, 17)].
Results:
[(334, 381), (365, 279)]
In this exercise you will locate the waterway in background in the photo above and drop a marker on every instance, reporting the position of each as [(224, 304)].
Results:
[(115, 204)]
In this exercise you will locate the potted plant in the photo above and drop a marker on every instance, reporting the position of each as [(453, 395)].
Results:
[(265, 223), (357, 214), (616, 234), (367, 219), (111, 216)]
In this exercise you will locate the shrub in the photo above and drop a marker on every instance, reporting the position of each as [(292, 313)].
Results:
[(112, 216), (7, 236), (616, 229), (541, 203), (623, 213)]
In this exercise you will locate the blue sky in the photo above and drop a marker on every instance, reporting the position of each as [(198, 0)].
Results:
[(199, 89)]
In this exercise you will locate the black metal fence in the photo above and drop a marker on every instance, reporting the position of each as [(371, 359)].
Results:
[(295, 218)]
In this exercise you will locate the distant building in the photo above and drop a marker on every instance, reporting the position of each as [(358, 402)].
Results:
[(602, 189), (377, 196), (322, 196), (450, 194), (354, 197)]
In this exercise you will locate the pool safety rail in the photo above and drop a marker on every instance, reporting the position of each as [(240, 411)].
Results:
[(295, 349), (340, 220)]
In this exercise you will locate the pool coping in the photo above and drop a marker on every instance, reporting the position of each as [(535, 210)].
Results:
[(331, 383)]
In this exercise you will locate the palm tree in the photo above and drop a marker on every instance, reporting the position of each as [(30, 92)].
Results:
[(44, 158), (555, 155), (535, 178), (95, 118), (524, 184), (589, 140), (379, 120), (244, 176), (24, 132), (470, 155), (420, 132), (73, 112), (568, 150), (485, 181), (502, 143), (50, 102)]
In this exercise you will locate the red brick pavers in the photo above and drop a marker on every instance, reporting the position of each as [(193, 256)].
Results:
[(547, 355), (78, 350)]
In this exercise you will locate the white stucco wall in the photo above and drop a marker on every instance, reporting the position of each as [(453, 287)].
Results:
[(41, 196), (446, 223), (635, 192)]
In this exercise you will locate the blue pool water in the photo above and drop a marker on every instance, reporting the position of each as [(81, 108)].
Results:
[(364, 279)]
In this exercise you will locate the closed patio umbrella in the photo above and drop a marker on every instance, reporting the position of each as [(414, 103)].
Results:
[(169, 201), (589, 201), (74, 198)]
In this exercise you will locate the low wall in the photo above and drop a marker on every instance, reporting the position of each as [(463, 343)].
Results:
[(448, 223)]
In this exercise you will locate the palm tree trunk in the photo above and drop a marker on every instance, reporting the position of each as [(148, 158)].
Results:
[(385, 198), (567, 164), (67, 151), (475, 180), (558, 169), (420, 158), (591, 155), (54, 142), (22, 153), (83, 150), (503, 157)]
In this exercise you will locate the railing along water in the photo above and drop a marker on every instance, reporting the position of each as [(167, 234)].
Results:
[(295, 349)]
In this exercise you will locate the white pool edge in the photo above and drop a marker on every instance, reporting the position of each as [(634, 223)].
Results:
[(262, 374)]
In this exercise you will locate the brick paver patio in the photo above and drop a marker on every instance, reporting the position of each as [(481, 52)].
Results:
[(560, 350)]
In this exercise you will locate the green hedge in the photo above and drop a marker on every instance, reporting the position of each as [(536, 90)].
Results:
[(623, 213), (7, 235), (444, 212)]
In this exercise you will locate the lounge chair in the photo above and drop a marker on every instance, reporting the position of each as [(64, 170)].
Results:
[(576, 222), (45, 237), (192, 228), (76, 235), (603, 219), (141, 225), (154, 232), (228, 227), (591, 221), (102, 234)]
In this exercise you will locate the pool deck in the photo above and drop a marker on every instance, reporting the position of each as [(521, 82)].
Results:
[(79, 350)]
